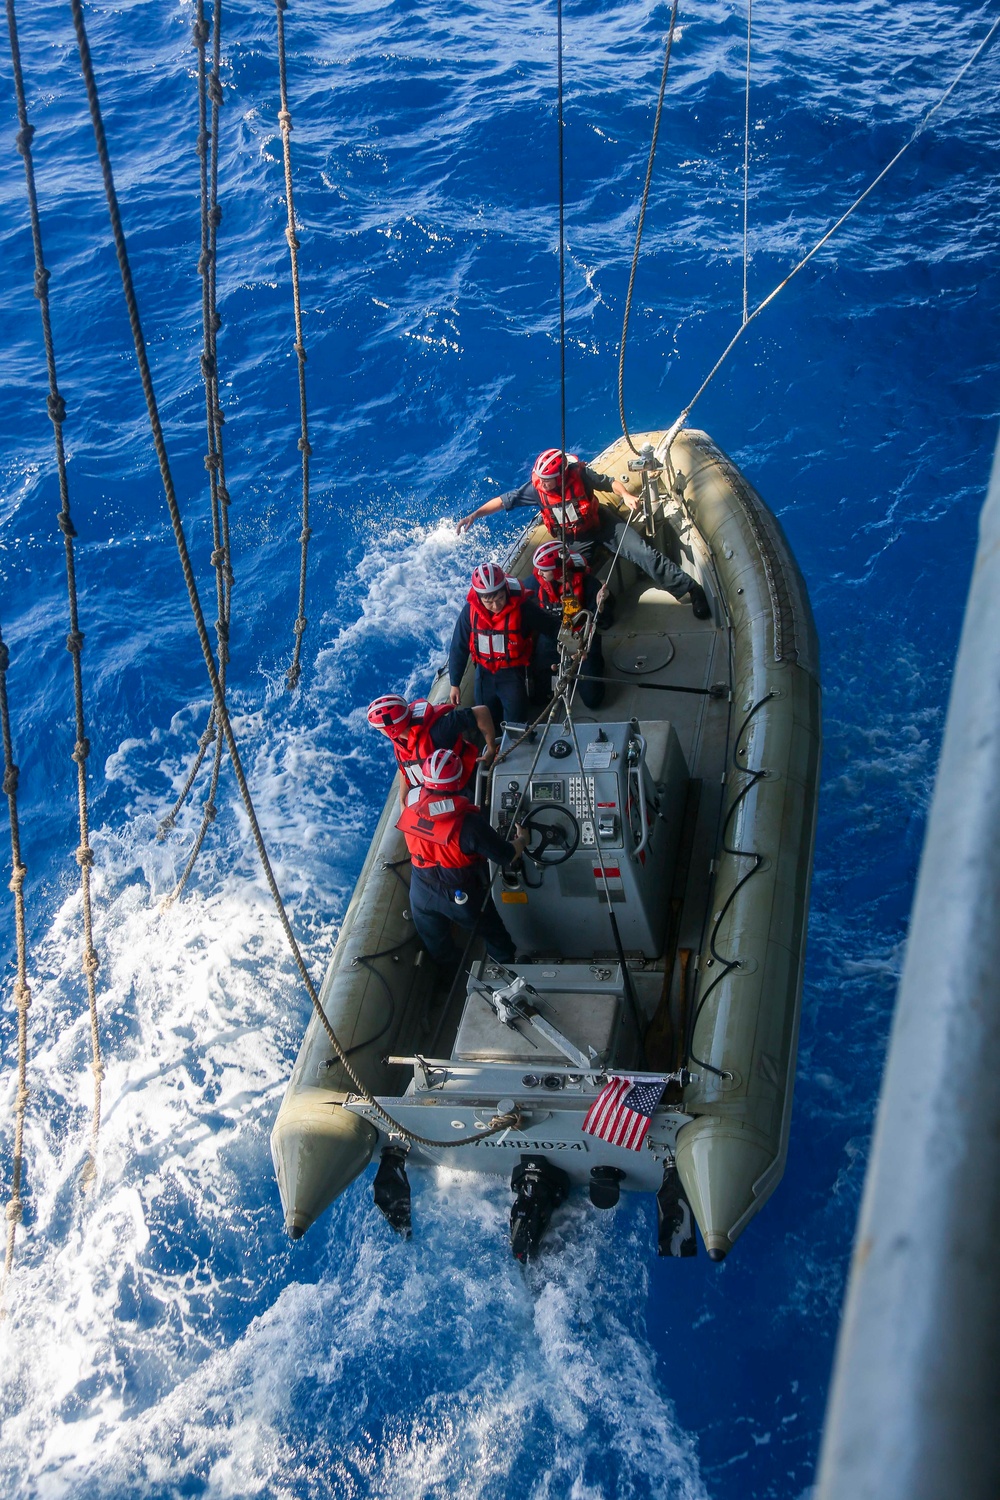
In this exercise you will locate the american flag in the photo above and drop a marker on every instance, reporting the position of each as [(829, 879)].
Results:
[(623, 1111)]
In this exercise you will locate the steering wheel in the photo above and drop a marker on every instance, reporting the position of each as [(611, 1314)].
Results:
[(555, 834)]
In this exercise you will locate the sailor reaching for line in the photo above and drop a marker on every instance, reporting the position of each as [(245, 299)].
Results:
[(450, 842), (417, 729), (546, 586), (565, 490), (496, 627)]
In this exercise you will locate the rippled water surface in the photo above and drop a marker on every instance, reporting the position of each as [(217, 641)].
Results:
[(164, 1338)]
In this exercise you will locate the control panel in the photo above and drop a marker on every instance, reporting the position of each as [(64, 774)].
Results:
[(604, 831)]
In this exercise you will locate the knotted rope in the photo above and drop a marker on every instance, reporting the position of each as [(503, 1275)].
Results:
[(22, 993), (74, 640), (184, 557), (210, 86), (285, 122)]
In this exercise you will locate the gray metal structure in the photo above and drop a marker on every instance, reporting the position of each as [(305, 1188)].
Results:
[(914, 1410)]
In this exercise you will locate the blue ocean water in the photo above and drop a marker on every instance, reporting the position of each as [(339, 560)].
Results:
[(164, 1337)]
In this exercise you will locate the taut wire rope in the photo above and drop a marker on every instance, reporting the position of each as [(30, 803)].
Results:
[(74, 640), (560, 125), (641, 222), (210, 86), (746, 163), (22, 992), (184, 557), (285, 122), (917, 131)]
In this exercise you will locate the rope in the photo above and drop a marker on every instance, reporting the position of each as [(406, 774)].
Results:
[(22, 993), (285, 122), (639, 226), (211, 217), (746, 164), (74, 640), (221, 709), (917, 131)]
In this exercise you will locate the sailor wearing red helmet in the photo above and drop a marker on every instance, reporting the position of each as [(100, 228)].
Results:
[(496, 628), (565, 490), (417, 729), (450, 843), (555, 567)]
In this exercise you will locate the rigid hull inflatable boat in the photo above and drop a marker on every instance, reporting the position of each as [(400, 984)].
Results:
[(686, 806)]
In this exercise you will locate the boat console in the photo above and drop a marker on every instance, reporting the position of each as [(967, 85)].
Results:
[(604, 804)]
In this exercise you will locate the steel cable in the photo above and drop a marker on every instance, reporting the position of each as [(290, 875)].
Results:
[(74, 640), (917, 131), (222, 712), (746, 162), (639, 226)]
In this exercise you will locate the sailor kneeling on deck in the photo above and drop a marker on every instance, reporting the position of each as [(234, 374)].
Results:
[(450, 842), (419, 728), (497, 627), (565, 490)]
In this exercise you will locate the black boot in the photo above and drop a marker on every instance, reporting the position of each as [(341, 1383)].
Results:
[(699, 603)]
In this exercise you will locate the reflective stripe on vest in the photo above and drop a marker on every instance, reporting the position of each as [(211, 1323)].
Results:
[(571, 511), (499, 641), (413, 743), (432, 827)]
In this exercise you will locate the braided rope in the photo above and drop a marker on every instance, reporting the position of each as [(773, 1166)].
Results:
[(285, 122), (22, 993), (184, 557), (74, 640), (211, 217)]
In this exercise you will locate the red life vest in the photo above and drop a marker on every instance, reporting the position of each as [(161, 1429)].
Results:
[(581, 513), (498, 641), (431, 825), (413, 744), (550, 590)]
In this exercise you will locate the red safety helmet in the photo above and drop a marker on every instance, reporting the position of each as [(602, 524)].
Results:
[(549, 465), (549, 556), (488, 578), (389, 712), (443, 771)]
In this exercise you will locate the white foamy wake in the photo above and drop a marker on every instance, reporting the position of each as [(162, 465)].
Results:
[(158, 1342)]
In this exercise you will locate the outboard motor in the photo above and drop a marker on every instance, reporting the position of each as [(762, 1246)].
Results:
[(392, 1190), (676, 1221), (540, 1188)]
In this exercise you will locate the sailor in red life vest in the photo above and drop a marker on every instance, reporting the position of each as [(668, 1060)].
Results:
[(546, 585), (417, 729), (450, 843), (497, 628), (565, 490)]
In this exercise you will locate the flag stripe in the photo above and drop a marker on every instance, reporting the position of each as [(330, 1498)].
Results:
[(612, 1118)]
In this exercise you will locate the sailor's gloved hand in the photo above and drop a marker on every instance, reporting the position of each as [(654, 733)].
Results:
[(699, 602), (520, 841)]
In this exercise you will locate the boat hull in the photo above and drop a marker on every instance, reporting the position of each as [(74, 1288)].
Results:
[(719, 1007)]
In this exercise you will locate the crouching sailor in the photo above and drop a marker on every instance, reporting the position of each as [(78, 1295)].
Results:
[(565, 490), (450, 842), (561, 574), (497, 628), (417, 729)]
